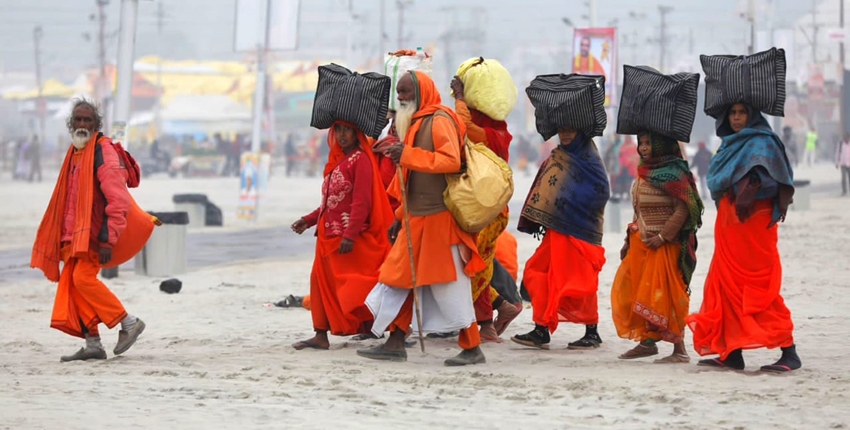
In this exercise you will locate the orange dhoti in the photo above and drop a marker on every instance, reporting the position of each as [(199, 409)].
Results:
[(649, 298), (562, 278), (339, 283), (83, 301), (742, 307)]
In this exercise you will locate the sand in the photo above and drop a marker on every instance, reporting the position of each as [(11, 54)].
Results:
[(217, 355)]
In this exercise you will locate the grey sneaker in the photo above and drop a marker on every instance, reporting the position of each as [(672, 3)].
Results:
[(85, 354), (126, 339), (467, 357)]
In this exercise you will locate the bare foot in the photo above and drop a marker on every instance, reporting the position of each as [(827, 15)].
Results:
[(488, 333), (319, 341), (674, 358)]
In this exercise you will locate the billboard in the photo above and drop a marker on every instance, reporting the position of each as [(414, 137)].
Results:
[(595, 53), (251, 20)]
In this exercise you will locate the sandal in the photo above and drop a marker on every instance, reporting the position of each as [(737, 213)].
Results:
[(640, 351), (674, 359), (365, 336)]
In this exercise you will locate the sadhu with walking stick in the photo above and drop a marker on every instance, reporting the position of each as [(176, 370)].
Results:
[(444, 255)]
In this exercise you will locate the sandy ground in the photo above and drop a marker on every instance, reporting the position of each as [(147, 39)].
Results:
[(217, 356)]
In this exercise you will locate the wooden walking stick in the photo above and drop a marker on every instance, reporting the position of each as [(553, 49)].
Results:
[(418, 309)]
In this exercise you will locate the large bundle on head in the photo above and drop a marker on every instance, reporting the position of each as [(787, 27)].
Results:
[(663, 104), (568, 101), (488, 87), (397, 63), (757, 80), (349, 96)]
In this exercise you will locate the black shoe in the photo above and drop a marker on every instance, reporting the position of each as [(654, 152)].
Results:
[(537, 338), (589, 341), (735, 360), (788, 362)]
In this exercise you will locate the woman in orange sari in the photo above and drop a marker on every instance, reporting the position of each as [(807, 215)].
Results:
[(352, 241), (650, 295)]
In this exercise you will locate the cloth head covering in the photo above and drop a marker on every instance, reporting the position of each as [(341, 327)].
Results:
[(667, 170), (428, 102), (569, 193), (381, 213), (739, 153), (755, 120)]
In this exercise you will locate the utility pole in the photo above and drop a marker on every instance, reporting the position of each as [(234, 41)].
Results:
[(662, 38), (842, 108), (40, 107), (814, 32), (260, 91), (124, 81), (751, 16), (382, 43), (400, 41), (593, 14), (160, 17), (102, 85)]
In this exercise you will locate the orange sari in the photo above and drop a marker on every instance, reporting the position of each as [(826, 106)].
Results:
[(742, 307), (339, 283), (649, 298)]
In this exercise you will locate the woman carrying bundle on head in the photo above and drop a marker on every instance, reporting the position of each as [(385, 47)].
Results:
[(751, 182), (565, 206), (650, 295), (354, 215)]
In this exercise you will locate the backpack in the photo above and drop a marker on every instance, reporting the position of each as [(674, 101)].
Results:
[(134, 173)]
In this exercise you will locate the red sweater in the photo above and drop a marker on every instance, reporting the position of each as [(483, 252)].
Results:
[(111, 198), (346, 198)]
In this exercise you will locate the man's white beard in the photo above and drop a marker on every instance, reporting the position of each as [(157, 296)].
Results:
[(80, 138), (403, 117)]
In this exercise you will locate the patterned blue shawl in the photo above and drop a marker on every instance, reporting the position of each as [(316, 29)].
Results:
[(569, 193)]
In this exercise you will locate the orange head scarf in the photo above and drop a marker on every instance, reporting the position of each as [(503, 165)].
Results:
[(381, 214), (429, 102)]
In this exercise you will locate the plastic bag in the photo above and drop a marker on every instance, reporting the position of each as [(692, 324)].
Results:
[(397, 63), (488, 87)]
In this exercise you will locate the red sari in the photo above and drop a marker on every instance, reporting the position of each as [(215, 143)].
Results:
[(742, 306)]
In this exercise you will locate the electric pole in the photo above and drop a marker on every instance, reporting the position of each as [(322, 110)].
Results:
[(381, 43), (102, 85), (843, 69), (37, 34), (400, 4), (160, 17), (662, 39)]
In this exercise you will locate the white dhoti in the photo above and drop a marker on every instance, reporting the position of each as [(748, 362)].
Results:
[(445, 307)]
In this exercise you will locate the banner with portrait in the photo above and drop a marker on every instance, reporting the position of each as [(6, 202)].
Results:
[(595, 53)]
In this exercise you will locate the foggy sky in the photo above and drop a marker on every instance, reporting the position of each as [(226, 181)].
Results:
[(203, 29)]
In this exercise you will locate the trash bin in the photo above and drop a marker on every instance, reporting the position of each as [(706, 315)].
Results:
[(802, 194), (613, 215), (165, 252), (214, 216), (193, 204)]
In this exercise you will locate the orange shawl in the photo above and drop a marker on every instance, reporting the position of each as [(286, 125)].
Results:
[(45, 252)]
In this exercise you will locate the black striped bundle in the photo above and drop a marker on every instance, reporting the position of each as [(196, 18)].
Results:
[(757, 80), (568, 101), (663, 104), (349, 96)]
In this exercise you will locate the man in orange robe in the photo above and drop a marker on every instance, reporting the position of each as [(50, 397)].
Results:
[(444, 255), (494, 134), (351, 233), (86, 215)]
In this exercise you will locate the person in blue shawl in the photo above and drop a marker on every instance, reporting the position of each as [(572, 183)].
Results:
[(565, 207), (752, 184)]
